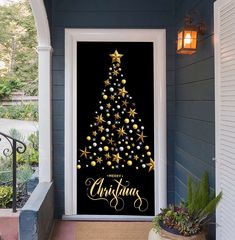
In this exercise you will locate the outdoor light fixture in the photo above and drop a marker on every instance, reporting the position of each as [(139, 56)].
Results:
[(188, 35)]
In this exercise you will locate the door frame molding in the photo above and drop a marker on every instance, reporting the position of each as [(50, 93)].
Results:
[(72, 36)]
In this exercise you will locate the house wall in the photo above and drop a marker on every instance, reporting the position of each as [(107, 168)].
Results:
[(194, 103), (105, 14)]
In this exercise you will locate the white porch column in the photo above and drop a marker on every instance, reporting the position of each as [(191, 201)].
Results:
[(45, 125), (44, 79)]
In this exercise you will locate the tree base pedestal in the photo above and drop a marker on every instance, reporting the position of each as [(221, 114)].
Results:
[(164, 235)]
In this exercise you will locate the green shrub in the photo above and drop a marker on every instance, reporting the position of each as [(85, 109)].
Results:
[(7, 86), (6, 195), (5, 176), (193, 216), (201, 202), (34, 140), (24, 173), (21, 112), (14, 133), (30, 156)]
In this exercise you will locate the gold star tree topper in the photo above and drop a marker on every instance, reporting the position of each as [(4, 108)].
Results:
[(116, 57)]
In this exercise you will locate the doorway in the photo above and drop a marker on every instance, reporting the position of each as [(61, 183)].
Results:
[(115, 124)]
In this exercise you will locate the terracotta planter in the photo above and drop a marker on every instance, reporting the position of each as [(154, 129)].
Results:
[(164, 235)]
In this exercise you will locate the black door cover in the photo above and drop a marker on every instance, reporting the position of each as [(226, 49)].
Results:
[(115, 168)]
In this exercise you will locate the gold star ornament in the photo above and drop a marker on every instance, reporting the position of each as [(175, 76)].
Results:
[(122, 91), (116, 157), (132, 112), (107, 82), (108, 105), (124, 103), (150, 165), (99, 119), (110, 141), (99, 160), (116, 57), (141, 137), (115, 72), (117, 116), (84, 153), (107, 156), (101, 129), (121, 132)]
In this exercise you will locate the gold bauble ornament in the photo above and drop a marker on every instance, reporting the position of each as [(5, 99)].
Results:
[(119, 142), (108, 115), (129, 162), (126, 154), (126, 120), (109, 163), (123, 81), (79, 166), (106, 148), (102, 138), (135, 126), (128, 147), (88, 138), (105, 97), (94, 154), (147, 147), (148, 153), (93, 163)]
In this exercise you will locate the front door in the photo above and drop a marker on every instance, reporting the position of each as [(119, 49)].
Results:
[(115, 128), (117, 138)]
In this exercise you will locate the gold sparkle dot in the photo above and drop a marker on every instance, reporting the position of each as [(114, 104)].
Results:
[(126, 120), (129, 162), (106, 148), (135, 126), (93, 163)]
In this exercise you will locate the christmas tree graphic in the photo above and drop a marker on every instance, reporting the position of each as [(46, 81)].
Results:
[(117, 138)]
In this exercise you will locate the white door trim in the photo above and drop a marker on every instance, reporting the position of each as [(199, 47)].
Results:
[(72, 36)]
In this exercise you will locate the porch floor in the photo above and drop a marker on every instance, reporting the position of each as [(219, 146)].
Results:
[(73, 230)]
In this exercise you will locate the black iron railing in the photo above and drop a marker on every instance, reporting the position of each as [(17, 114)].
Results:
[(14, 146)]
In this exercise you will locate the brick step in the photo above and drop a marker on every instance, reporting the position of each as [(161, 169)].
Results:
[(9, 224)]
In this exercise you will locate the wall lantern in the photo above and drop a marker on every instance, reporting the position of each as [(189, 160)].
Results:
[(188, 35)]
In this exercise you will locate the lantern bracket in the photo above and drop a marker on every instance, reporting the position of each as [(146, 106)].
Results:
[(190, 22)]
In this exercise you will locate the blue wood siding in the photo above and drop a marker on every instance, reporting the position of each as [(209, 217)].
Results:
[(194, 104), (105, 14), (190, 82)]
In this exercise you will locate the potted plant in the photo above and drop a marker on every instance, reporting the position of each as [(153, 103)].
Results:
[(189, 220)]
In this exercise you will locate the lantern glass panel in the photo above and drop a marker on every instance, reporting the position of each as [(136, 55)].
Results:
[(180, 40), (190, 39)]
